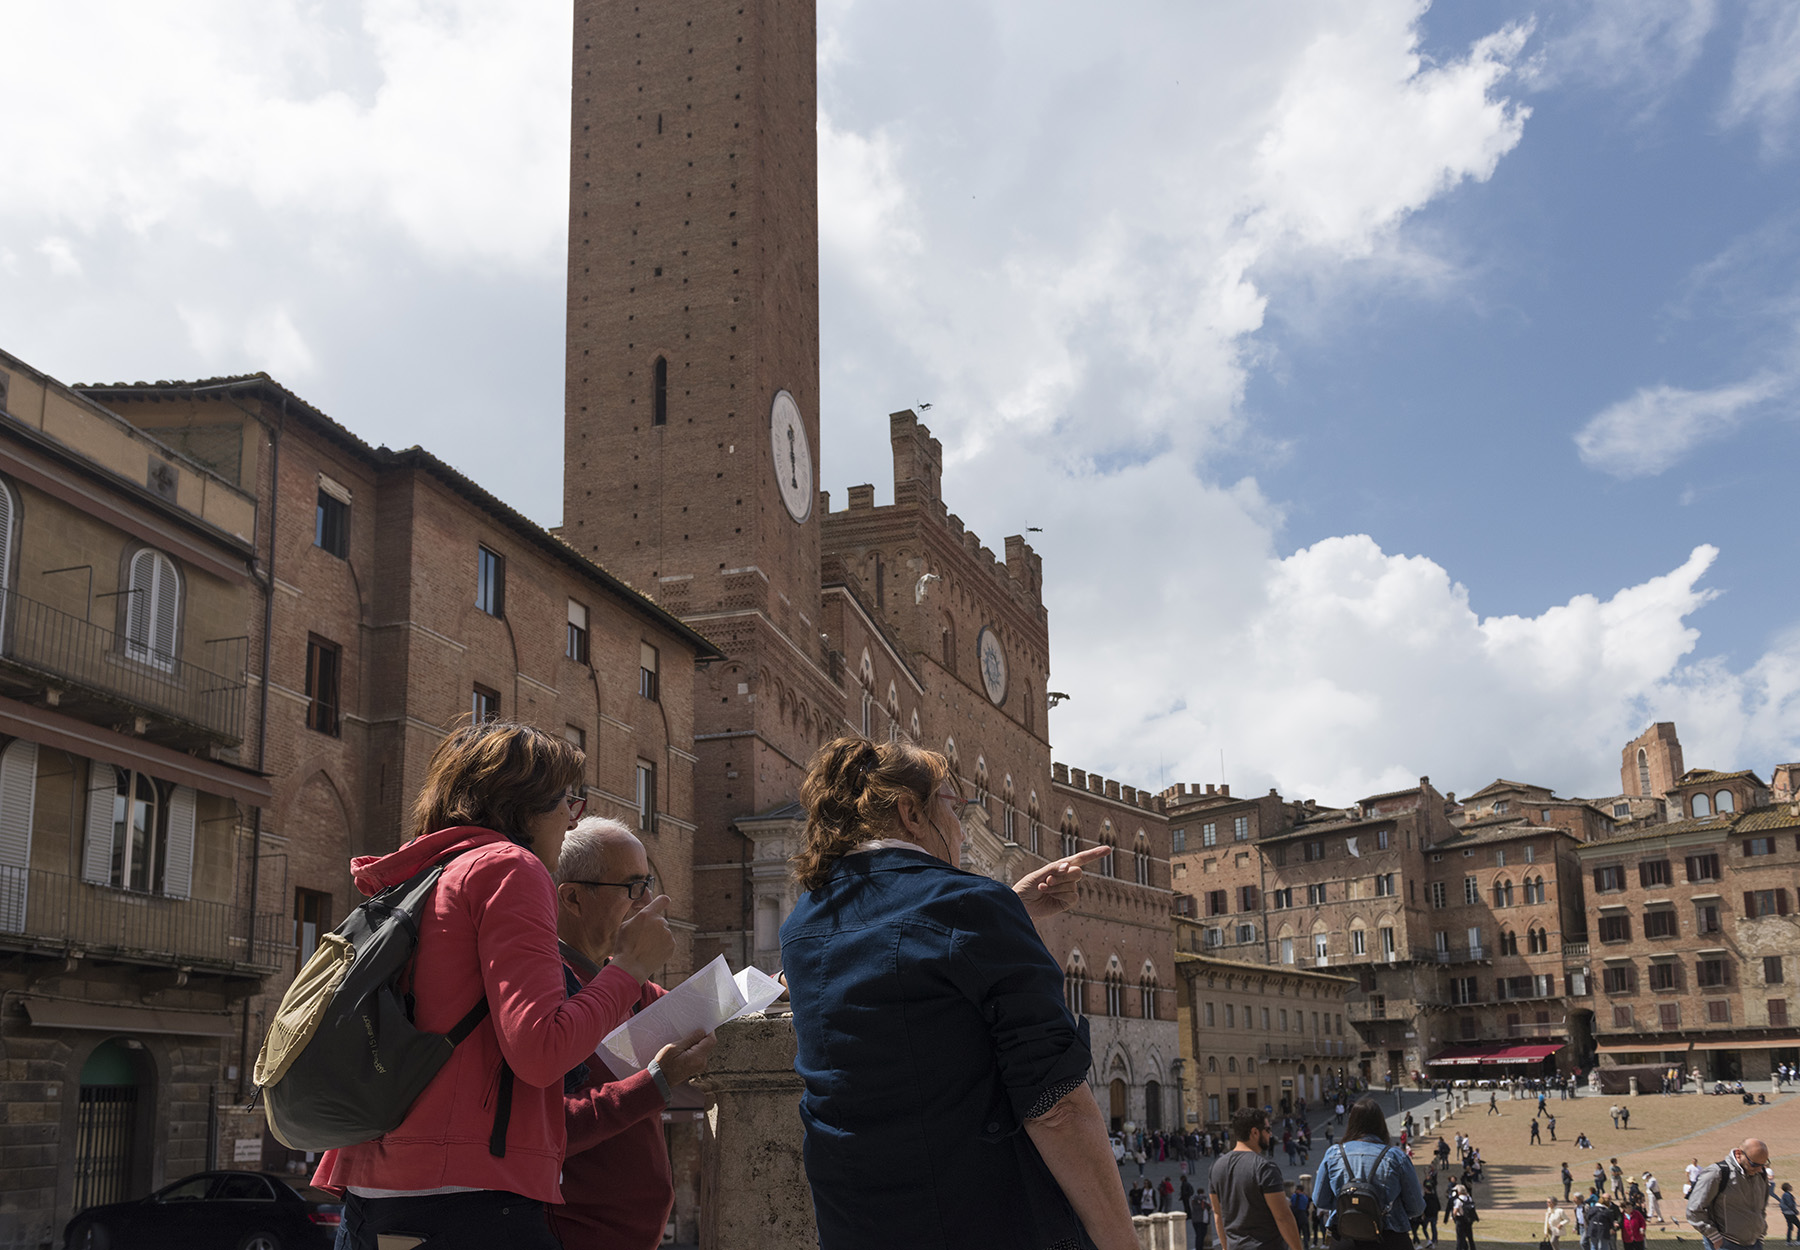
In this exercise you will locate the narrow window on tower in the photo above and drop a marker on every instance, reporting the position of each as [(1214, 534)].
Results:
[(659, 400)]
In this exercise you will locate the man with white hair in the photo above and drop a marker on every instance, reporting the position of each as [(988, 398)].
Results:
[(617, 1190)]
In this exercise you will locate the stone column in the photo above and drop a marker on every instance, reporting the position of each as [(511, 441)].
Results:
[(753, 1190)]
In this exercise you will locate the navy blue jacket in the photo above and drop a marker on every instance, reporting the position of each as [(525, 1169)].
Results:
[(929, 1018)]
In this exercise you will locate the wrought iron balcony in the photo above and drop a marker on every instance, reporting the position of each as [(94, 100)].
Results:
[(97, 675), (1462, 954), (41, 910)]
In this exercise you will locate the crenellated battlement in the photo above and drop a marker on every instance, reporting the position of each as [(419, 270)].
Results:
[(1106, 788)]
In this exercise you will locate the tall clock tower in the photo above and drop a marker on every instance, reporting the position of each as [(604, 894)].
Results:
[(692, 390)]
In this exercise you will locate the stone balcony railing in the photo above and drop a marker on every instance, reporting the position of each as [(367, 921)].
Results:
[(753, 1190)]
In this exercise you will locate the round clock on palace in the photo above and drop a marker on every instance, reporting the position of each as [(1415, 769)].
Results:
[(991, 659), (792, 455)]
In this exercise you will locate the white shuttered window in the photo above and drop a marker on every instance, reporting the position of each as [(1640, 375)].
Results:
[(153, 602), (18, 800)]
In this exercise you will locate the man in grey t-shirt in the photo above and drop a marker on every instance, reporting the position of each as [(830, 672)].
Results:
[(1249, 1198)]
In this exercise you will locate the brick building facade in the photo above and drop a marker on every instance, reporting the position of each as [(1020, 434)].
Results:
[(127, 572), (1255, 1034), (1695, 928), (407, 598), (1461, 925)]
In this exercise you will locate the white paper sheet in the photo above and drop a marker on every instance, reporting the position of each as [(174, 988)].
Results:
[(699, 1004), (758, 988)]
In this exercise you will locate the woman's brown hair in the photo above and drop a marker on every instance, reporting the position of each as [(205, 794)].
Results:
[(852, 793), (497, 774)]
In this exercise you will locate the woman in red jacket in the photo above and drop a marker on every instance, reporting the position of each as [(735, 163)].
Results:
[(478, 1155)]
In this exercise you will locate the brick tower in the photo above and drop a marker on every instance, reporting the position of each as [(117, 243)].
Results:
[(692, 414)]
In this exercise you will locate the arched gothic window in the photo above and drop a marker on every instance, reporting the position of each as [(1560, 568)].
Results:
[(1643, 772), (1141, 858)]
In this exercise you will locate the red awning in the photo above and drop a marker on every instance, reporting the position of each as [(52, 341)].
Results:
[(1475, 1056)]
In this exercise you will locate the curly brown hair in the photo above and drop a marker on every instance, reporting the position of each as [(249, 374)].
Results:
[(497, 774), (851, 794)]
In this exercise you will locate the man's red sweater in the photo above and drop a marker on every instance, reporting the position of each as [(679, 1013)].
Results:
[(616, 1188)]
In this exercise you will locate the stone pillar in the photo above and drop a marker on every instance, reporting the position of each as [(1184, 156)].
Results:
[(753, 1190), (1163, 1231)]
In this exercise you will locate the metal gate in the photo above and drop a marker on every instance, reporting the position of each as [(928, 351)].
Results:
[(103, 1144)]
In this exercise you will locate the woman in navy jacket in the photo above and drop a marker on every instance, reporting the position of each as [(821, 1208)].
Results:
[(946, 1100)]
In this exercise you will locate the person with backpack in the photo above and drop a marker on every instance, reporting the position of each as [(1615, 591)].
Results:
[(1368, 1189), (1729, 1203), (477, 1156), (1464, 1216)]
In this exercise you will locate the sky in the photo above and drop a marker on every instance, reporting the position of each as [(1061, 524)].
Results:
[(1399, 389)]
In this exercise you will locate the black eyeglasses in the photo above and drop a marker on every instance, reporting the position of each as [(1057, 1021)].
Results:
[(634, 890)]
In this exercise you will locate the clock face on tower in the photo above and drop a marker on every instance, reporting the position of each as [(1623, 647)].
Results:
[(793, 457), (993, 665)]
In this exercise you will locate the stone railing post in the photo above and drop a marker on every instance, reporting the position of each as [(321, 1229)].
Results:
[(753, 1190), (1163, 1231)]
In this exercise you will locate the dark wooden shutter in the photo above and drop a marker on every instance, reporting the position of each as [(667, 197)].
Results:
[(1749, 903)]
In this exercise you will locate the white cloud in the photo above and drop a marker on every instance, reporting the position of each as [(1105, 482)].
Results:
[(60, 254), (1645, 45), (1653, 430), (1765, 78), (1055, 225)]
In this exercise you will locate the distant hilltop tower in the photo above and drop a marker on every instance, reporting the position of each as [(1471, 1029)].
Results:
[(1650, 765)]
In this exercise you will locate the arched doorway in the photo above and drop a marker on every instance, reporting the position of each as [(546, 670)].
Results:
[(1117, 1090), (1153, 1109), (114, 1104)]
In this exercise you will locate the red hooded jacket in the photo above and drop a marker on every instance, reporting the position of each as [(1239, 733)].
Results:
[(490, 928)]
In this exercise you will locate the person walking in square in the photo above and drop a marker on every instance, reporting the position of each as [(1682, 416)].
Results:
[(1624, 1117), (1536, 1137), (1428, 1218), (1632, 1228), (1568, 1179), (1556, 1221), (1493, 1102), (1653, 1197), (1789, 1211), (1550, 1123), (1618, 1179)]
